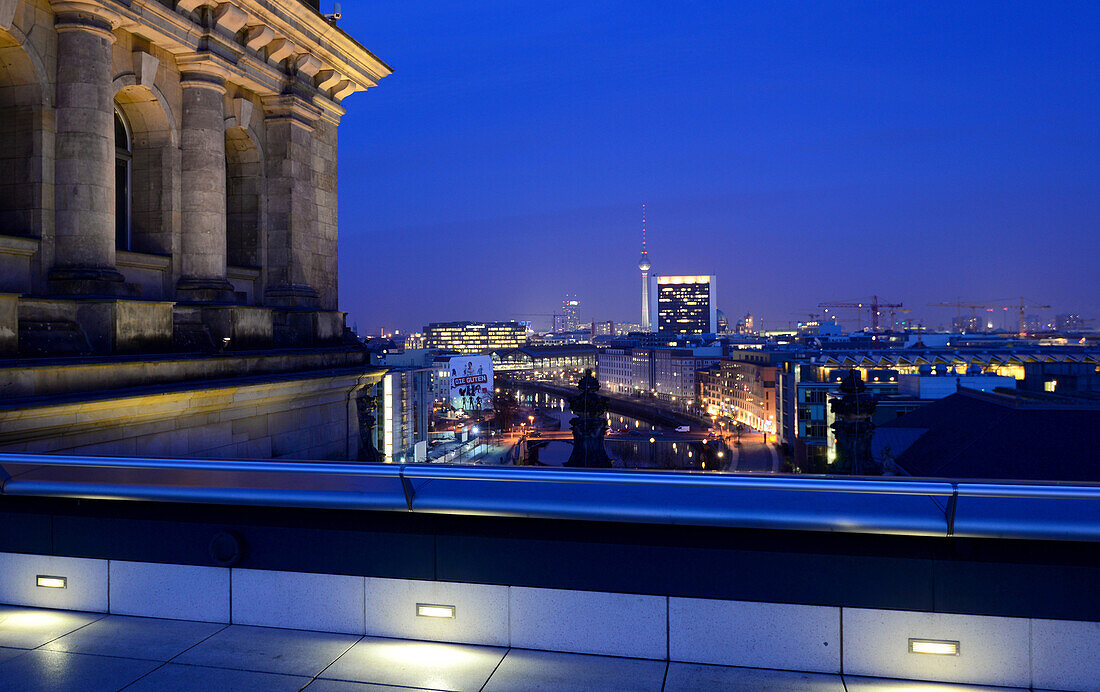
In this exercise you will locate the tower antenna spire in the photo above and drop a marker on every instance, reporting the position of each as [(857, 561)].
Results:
[(644, 266)]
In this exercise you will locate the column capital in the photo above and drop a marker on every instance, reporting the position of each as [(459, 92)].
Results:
[(204, 70), (330, 110), (290, 107), (85, 15)]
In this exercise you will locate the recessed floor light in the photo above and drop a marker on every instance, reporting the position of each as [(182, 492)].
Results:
[(941, 647), (49, 582), (430, 610)]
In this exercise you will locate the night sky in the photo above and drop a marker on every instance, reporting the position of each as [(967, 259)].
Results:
[(802, 152)]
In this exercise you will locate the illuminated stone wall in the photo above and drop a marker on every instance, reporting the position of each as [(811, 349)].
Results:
[(172, 152)]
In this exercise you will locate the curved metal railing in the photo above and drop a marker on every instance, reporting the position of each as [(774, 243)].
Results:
[(899, 505)]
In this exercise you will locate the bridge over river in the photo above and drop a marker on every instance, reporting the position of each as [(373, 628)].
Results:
[(651, 412)]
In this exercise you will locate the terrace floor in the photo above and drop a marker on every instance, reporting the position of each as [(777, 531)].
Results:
[(65, 650)]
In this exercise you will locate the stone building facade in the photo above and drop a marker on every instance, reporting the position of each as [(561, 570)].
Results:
[(168, 174)]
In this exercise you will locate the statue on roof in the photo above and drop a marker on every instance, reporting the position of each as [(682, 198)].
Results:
[(853, 428), (589, 425)]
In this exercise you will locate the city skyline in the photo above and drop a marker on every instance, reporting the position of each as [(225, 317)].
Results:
[(806, 153)]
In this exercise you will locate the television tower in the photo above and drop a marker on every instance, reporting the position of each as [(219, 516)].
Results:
[(643, 264)]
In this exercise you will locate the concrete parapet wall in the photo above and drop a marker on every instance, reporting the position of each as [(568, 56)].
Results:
[(36, 379), (295, 416)]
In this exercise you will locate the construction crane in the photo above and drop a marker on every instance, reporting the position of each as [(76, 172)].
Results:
[(874, 306), (1021, 306)]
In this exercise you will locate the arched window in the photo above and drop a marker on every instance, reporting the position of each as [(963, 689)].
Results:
[(123, 159)]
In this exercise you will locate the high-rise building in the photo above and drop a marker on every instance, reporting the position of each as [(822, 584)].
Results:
[(568, 320), (475, 337), (644, 266), (684, 304), (603, 328)]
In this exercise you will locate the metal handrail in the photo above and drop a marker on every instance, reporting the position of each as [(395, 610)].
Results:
[(962, 508), (897, 485)]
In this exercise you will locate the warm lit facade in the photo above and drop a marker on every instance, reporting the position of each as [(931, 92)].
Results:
[(684, 304), (475, 337), (742, 390)]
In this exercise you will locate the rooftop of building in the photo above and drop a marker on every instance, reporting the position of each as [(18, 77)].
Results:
[(1001, 434), (312, 575), (554, 350), (57, 649), (471, 323)]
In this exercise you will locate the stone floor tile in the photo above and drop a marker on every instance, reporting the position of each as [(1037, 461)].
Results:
[(683, 677), (524, 669), (856, 683), (320, 685), (409, 663), (57, 671), (179, 678), (6, 653), (28, 628), (132, 637), (269, 650)]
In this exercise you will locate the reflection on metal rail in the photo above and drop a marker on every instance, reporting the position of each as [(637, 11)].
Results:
[(899, 505)]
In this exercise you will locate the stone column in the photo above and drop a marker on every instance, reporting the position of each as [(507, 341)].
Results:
[(202, 183), (325, 267), (84, 160), (291, 217)]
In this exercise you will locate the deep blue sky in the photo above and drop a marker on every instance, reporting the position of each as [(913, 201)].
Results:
[(800, 151)]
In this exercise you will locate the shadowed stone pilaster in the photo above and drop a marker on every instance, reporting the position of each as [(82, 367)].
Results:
[(202, 182), (84, 247), (292, 222)]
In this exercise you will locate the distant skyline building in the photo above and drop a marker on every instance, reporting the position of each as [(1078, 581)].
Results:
[(684, 304), (606, 328), (568, 320), (475, 337), (723, 323), (1069, 322), (644, 266)]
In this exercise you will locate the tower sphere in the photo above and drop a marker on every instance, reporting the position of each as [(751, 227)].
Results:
[(643, 263)]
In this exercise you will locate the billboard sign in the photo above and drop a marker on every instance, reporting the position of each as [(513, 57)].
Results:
[(472, 382)]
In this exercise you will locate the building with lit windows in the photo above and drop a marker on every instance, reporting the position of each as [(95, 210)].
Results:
[(742, 388), (568, 320), (666, 373), (559, 363), (675, 370), (615, 369), (684, 304), (475, 337)]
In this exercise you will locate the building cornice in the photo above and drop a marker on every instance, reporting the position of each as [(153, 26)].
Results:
[(268, 45)]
